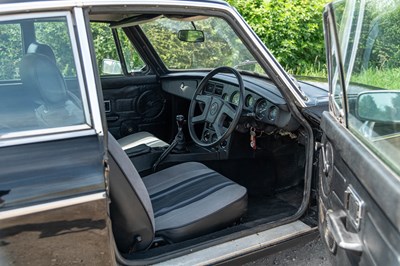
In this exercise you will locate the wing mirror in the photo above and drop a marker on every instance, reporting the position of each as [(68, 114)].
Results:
[(191, 35), (379, 106), (111, 67)]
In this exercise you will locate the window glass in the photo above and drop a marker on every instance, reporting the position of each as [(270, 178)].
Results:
[(44, 98), (10, 50), (373, 90), (106, 51), (132, 58), (221, 45), (55, 34), (336, 93)]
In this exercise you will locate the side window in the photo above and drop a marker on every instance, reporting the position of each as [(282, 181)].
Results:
[(48, 94), (373, 79), (11, 51), (107, 56)]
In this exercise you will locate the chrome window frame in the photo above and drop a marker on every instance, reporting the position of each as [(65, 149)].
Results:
[(92, 124)]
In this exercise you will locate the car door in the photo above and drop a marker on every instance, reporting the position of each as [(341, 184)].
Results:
[(133, 97), (359, 164), (53, 202)]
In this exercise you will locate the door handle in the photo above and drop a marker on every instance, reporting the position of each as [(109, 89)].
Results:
[(326, 160), (112, 118), (343, 238)]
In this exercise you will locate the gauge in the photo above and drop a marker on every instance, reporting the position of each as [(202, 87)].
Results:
[(273, 113), (235, 98), (249, 100), (225, 97), (261, 109)]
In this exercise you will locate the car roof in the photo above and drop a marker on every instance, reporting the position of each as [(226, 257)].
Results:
[(12, 6), (115, 2)]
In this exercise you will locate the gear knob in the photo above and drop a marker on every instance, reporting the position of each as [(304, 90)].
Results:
[(180, 120)]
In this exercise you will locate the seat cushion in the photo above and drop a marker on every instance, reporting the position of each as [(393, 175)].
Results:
[(190, 199), (138, 138)]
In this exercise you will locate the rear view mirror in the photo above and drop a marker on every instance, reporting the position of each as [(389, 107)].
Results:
[(191, 35), (379, 106)]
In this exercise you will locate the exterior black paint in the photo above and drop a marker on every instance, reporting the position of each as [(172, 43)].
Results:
[(48, 171), (65, 236)]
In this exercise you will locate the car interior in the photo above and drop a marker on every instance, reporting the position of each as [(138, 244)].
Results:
[(218, 151), (196, 156)]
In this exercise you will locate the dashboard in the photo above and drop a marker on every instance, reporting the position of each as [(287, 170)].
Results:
[(263, 101)]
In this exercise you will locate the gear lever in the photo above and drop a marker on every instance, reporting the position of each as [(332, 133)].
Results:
[(181, 144), (178, 145)]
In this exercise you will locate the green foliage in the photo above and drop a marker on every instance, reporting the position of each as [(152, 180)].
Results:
[(10, 51), (55, 34), (221, 46), (291, 29)]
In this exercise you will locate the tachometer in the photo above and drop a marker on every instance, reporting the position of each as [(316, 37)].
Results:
[(261, 109), (235, 98)]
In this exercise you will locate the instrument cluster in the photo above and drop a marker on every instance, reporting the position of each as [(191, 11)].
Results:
[(262, 108)]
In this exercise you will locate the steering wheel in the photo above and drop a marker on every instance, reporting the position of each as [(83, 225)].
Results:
[(219, 117)]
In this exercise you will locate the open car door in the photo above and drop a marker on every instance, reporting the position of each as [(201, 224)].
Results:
[(359, 182)]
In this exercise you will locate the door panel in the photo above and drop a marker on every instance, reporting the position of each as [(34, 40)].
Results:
[(360, 195), (53, 203), (134, 105)]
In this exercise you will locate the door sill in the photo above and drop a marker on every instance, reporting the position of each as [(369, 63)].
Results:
[(239, 247)]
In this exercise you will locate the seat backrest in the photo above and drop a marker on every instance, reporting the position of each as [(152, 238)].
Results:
[(131, 210), (46, 86)]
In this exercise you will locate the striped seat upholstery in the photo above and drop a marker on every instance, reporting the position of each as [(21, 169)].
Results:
[(177, 203), (190, 199)]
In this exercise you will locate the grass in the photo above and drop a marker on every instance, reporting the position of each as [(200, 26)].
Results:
[(381, 78)]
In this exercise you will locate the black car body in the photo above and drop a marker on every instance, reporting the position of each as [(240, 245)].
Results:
[(76, 75)]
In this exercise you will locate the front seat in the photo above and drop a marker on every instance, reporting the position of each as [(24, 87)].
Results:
[(175, 204), (127, 142)]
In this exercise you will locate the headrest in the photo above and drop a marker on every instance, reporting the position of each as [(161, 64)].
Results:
[(40, 73), (43, 49)]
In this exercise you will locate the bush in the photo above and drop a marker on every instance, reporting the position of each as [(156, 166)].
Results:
[(291, 29)]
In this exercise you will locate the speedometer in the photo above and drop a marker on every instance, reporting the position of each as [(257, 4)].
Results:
[(261, 109)]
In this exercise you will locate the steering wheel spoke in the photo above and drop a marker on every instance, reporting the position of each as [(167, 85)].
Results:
[(218, 129), (228, 110), (206, 99), (200, 118)]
